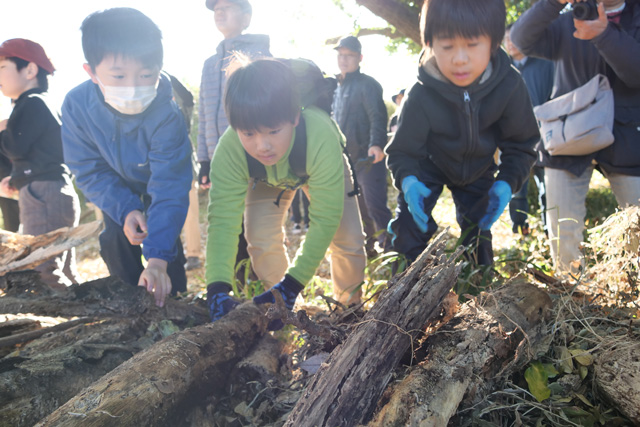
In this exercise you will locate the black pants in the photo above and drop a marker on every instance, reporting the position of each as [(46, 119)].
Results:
[(10, 214), (471, 204), (124, 260)]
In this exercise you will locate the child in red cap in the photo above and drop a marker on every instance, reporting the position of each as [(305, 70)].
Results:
[(30, 138)]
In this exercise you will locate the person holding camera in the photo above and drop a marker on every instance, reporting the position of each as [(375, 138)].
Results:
[(600, 37)]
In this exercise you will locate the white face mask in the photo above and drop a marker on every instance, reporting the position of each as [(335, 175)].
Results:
[(129, 99)]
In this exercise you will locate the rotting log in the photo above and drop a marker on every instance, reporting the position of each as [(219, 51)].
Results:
[(485, 341), (22, 252), (345, 390), (261, 364), (616, 376), (150, 388)]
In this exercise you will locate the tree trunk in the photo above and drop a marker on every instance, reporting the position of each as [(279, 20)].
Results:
[(149, 388), (490, 337), (345, 390), (403, 18), (616, 375), (22, 252)]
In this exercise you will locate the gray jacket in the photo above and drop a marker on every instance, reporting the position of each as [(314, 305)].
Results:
[(212, 119)]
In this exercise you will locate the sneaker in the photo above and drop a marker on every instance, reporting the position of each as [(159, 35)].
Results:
[(193, 262), (297, 229), (306, 227)]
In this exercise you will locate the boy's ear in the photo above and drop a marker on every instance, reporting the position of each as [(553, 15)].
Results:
[(246, 20), (31, 70), (297, 119), (89, 71)]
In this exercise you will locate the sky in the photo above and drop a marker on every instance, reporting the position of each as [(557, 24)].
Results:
[(298, 28)]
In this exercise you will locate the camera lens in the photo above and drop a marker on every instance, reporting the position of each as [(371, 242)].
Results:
[(585, 11)]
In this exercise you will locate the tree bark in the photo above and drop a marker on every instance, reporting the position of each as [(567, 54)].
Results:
[(345, 390), (22, 252), (149, 388), (486, 340), (402, 17), (616, 376)]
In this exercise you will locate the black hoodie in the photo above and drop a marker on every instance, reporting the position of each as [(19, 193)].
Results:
[(458, 129)]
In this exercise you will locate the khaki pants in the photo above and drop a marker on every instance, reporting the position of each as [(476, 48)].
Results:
[(192, 231), (264, 230)]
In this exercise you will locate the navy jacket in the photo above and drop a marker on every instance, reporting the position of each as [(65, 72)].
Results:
[(359, 110), (543, 32), (458, 130), (117, 159)]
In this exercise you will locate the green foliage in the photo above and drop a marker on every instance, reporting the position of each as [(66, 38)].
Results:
[(537, 376), (600, 204), (515, 8), (246, 288)]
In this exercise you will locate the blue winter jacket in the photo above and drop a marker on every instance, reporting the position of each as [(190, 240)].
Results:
[(117, 159)]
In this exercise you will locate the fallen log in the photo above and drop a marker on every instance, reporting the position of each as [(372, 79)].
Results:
[(485, 341), (150, 388), (31, 335), (616, 377), (347, 387), (23, 252)]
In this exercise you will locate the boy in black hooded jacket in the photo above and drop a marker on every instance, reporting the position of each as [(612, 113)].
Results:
[(468, 102)]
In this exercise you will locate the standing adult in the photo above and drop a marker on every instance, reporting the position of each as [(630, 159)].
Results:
[(359, 110), (537, 74), (580, 49), (232, 18)]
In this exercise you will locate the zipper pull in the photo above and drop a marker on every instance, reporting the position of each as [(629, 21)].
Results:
[(467, 98)]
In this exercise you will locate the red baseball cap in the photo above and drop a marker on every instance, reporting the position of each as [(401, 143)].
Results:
[(27, 50)]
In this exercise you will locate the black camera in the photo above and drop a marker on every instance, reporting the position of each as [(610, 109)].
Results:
[(585, 10)]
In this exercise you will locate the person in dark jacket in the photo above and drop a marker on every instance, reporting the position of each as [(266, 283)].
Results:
[(608, 45), (467, 103), (126, 142), (537, 74), (30, 139), (359, 110), (8, 206)]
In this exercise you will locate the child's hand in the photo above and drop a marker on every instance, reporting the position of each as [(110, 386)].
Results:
[(6, 190), (414, 194), (156, 280), (377, 153), (499, 197), (135, 227)]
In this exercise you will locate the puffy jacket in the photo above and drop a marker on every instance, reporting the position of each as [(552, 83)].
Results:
[(32, 142), (543, 32), (212, 118), (117, 159), (360, 112), (458, 130)]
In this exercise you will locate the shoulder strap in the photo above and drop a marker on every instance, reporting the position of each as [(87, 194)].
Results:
[(297, 157)]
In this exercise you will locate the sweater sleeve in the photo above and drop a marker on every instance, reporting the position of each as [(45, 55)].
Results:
[(622, 53), (537, 32), (202, 153), (229, 183), (377, 113), (325, 168), (24, 128)]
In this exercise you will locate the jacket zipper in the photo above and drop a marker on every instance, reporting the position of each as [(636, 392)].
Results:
[(467, 108)]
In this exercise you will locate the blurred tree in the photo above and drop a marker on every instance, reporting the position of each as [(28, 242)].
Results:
[(403, 17)]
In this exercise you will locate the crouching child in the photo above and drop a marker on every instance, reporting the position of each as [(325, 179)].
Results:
[(268, 124), (467, 103)]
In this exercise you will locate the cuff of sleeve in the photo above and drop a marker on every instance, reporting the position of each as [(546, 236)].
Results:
[(292, 284), (218, 288)]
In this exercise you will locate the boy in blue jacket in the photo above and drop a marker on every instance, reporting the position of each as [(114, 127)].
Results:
[(467, 103), (126, 142)]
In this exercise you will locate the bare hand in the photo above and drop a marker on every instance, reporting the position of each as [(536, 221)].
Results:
[(133, 221), (6, 190), (3, 125), (204, 183), (156, 280), (377, 153), (587, 30)]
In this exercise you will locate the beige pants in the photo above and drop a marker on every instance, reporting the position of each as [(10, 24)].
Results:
[(192, 231), (264, 231)]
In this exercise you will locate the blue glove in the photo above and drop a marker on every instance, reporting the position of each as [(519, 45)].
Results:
[(289, 288), (414, 194), (219, 300), (499, 197)]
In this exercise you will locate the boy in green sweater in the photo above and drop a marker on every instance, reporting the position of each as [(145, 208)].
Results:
[(263, 108)]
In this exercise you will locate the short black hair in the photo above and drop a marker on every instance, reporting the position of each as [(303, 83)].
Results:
[(261, 93), (121, 31), (465, 18), (42, 76)]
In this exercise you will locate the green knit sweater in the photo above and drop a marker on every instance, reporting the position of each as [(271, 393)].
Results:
[(230, 182)]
